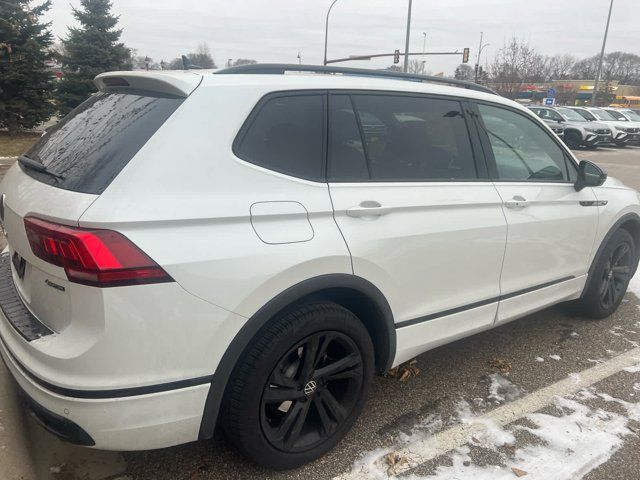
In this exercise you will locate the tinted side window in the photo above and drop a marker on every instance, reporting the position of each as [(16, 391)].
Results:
[(521, 148), (415, 139), (92, 144), (286, 135), (347, 161)]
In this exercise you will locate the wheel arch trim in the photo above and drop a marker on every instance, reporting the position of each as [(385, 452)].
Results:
[(633, 217), (305, 289)]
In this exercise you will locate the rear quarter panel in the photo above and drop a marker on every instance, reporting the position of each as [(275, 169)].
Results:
[(186, 200)]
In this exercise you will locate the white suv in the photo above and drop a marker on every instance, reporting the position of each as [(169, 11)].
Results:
[(243, 250)]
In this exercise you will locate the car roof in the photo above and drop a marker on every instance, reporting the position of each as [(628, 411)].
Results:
[(183, 82)]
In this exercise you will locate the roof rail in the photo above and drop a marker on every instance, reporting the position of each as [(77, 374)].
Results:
[(282, 68)]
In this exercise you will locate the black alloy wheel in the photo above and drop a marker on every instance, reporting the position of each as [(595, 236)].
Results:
[(608, 277), (616, 275), (299, 386), (311, 391)]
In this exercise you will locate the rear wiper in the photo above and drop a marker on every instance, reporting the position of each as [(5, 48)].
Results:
[(37, 166)]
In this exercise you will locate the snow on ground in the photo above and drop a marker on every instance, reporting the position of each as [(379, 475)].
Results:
[(501, 389), (555, 357), (564, 444), (572, 444)]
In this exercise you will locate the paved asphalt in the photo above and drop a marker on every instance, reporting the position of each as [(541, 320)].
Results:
[(459, 374)]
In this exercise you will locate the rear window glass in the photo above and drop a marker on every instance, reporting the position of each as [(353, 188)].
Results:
[(287, 136), (91, 145)]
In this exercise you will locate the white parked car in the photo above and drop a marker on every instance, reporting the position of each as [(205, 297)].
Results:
[(243, 250), (623, 132), (632, 119)]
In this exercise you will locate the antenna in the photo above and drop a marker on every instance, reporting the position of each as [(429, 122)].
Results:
[(187, 65)]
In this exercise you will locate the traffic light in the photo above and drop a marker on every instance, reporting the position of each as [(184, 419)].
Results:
[(396, 56), (465, 55)]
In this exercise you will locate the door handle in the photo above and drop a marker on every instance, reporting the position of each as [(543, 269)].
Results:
[(368, 208), (516, 202)]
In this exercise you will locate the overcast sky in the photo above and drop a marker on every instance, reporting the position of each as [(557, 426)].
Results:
[(276, 30)]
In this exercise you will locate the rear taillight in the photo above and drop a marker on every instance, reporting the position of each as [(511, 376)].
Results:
[(101, 258)]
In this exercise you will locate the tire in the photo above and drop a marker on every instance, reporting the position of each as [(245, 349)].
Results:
[(273, 386), (611, 275), (572, 139)]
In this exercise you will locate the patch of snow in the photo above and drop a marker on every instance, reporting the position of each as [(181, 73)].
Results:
[(502, 390), (555, 357), (633, 409), (586, 394), (492, 436), (575, 377), (634, 369), (539, 359), (636, 387), (572, 445)]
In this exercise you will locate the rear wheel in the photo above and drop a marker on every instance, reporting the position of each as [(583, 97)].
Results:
[(610, 277), (300, 386)]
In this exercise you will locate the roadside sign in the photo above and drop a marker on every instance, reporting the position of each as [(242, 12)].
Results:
[(551, 92), (549, 101)]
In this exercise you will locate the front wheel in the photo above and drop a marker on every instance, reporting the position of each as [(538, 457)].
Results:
[(572, 139), (300, 386), (610, 278)]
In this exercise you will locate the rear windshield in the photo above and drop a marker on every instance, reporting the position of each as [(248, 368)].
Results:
[(91, 145)]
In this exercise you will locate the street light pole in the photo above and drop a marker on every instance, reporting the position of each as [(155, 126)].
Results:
[(480, 48), (406, 43), (326, 30), (424, 49), (604, 43)]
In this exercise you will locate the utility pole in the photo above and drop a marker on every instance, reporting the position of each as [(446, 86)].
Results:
[(326, 30), (480, 48), (406, 43), (604, 44)]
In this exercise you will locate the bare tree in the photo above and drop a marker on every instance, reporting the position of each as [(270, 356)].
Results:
[(202, 57), (243, 61), (464, 72), (560, 66), (416, 66)]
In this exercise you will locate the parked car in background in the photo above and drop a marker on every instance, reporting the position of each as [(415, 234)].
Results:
[(621, 131), (317, 229), (633, 119), (577, 130)]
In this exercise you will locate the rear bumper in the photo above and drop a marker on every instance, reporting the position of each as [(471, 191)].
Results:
[(138, 422)]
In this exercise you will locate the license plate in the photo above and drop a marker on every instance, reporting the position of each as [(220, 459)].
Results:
[(19, 264)]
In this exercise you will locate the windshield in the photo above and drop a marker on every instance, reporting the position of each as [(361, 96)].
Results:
[(617, 115), (633, 116), (601, 115), (571, 115)]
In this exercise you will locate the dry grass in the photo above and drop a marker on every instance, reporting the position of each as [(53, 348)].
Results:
[(14, 146)]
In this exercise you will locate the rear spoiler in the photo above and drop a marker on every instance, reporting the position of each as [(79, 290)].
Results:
[(175, 83)]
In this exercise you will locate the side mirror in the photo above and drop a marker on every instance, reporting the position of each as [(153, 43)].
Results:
[(589, 175)]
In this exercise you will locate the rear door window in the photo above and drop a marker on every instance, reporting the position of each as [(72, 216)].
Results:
[(286, 135), (91, 145), (409, 138)]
